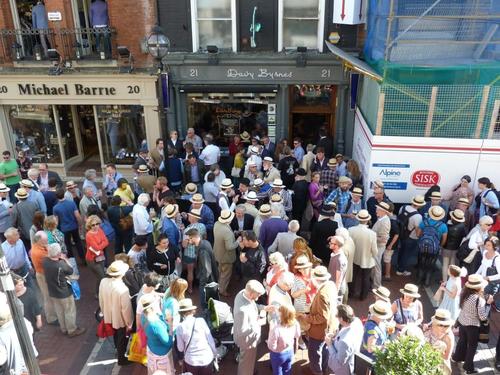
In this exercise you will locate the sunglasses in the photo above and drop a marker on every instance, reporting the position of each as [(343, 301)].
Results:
[(95, 225)]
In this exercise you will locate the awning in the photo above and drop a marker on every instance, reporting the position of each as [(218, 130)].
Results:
[(228, 88), (354, 63)]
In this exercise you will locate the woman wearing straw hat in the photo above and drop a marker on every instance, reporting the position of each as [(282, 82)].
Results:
[(193, 338), (159, 338), (408, 309), (473, 311), (456, 233), (375, 334), (469, 253), (440, 336)]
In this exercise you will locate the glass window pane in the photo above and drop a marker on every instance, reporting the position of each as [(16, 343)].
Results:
[(122, 132), (300, 33), (215, 33), (214, 8), (34, 131), (67, 131), (300, 8)]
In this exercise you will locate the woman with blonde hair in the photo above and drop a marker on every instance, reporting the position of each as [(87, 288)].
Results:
[(96, 242), (54, 235), (282, 340), (277, 265), (300, 247), (124, 191), (354, 173), (173, 295)]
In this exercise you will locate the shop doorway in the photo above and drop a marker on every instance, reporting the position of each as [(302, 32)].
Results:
[(312, 107)]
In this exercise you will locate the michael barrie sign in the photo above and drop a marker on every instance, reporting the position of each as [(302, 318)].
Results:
[(63, 90)]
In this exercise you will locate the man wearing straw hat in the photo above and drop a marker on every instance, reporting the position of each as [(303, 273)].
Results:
[(353, 206), (409, 219), (145, 183), (456, 233), (225, 247), (382, 229), (271, 173), (227, 199), (116, 306), (264, 214), (22, 215), (251, 200), (375, 334), (365, 241), (207, 216), (278, 187)]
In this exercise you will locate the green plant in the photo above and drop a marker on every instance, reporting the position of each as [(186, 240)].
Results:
[(408, 356)]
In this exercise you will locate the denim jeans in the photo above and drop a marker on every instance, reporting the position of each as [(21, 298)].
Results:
[(318, 356), (407, 251), (281, 362)]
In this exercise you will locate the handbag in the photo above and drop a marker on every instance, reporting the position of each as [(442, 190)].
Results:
[(104, 330), (235, 172), (484, 328), (181, 354), (126, 221), (492, 287), (135, 351), (75, 288)]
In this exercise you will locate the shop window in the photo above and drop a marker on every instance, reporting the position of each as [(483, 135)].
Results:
[(214, 23), (34, 131), (67, 126), (225, 115), (122, 132), (301, 24)]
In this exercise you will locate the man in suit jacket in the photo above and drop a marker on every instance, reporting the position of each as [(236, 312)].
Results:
[(194, 170), (157, 154), (365, 255), (247, 328), (225, 245), (283, 243), (321, 231), (242, 220), (326, 143), (44, 175), (269, 147), (175, 143)]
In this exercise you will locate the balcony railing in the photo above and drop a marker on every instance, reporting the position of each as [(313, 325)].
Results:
[(71, 44)]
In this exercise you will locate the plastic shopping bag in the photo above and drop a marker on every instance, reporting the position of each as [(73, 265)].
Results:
[(135, 351)]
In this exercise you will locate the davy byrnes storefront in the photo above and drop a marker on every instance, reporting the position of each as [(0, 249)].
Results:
[(75, 122)]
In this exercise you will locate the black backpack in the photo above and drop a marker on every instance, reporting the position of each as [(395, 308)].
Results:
[(403, 220), (490, 210)]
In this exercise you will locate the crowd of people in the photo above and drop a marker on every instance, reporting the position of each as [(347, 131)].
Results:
[(292, 225)]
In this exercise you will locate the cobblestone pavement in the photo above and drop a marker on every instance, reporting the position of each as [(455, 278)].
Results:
[(87, 355)]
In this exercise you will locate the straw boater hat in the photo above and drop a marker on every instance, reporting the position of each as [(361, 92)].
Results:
[(436, 195), (278, 183), (332, 162), (4, 188), (410, 290), (226, 217), (302, 262), (191, 188), (436, 212), (258, 182), (476, 282), (384, 206), (265, 210), (418, 200), (171, 210), (344, 179), (251, 163), (363, 215), (269, 159), (245, 136), (383, 293), (457, 215), (328, 210), (70, 184), (143, 168), (381, 310), (464, 200), (21, 193), (251, 196), (226, 184), (442, 317), (486, 220), (321, 273), (276, 198), (117, 268), (378, 183), (148, 300), (197, 198), (339, 156), (186, 304), (254, 150), (196, 212), (27, 183), (357, 191)]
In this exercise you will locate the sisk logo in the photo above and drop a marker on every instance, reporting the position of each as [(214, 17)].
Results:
[(389, 173)]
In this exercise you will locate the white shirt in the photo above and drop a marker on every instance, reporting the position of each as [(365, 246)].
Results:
[(223, 202), (142, 221), (218, 179), (201, 350), (489, 263), (210, 155)]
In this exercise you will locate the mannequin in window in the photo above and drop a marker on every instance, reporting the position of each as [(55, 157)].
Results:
[(40, 22), (113, 130), (99, 20)]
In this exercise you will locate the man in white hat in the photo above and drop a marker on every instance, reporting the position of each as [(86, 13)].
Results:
[(145, 183), (116, 306), (378, 196), (247, 327), (264, 214), (382, 229), (207, 215), (341, 195), (254, 157), (252, 173), (251, 200), (272, 226), (283, 243), (436, 199), (271, 173), (354, 204), (169, 225), (34, 195), (227, 199), (279, 188), (365, 242), (57, 269), (261, 188), (338, 265), (375, 334), (322, 319), (409, 219), (5, 210), (22, 215), (225, 247), (329, 178)]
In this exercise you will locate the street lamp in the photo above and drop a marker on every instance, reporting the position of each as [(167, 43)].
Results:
[(158, 45)]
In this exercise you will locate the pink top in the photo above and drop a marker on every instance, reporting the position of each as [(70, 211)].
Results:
[(282, 338), (313, 190)]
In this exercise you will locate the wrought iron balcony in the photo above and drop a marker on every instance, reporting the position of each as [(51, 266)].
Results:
[(71, 44)]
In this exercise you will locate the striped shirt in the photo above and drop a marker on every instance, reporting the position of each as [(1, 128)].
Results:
[(472, 311)]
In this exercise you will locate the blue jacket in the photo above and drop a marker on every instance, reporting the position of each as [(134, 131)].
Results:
[(174, 170), (99, 13), (169, 228), (39, 17)]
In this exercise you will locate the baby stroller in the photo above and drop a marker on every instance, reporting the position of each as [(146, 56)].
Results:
[(220, 321)]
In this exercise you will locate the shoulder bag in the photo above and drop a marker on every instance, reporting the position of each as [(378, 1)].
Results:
[(484, 327), (126, 221), (181, 354)]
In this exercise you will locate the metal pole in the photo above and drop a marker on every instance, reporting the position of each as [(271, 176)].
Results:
[(19, 322)]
